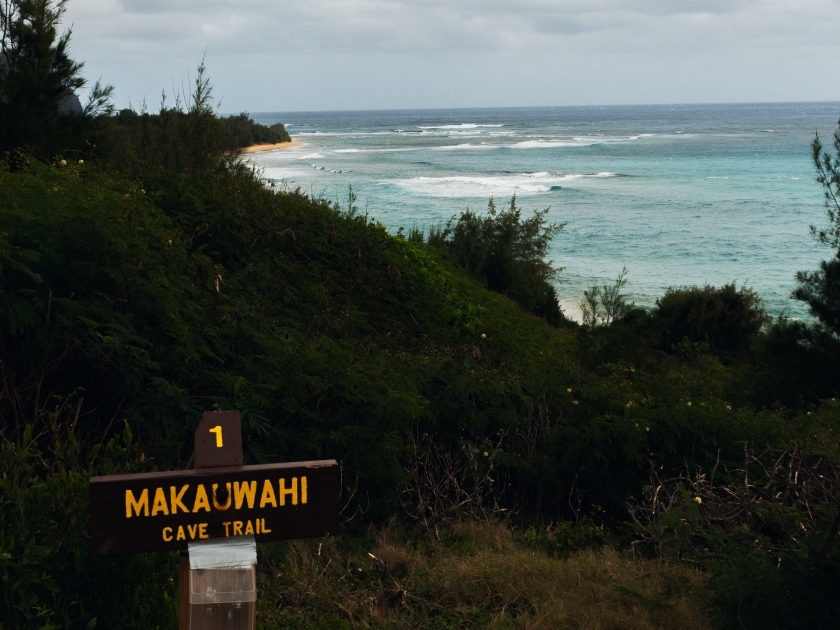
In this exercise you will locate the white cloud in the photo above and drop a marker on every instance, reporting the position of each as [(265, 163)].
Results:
[(384, 53)]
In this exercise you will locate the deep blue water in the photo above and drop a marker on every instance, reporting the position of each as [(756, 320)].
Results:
[(679, 194)]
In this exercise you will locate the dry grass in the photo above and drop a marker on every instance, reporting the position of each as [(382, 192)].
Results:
[(478, 576)]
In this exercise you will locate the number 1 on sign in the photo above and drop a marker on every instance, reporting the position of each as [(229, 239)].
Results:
[(218, 432)]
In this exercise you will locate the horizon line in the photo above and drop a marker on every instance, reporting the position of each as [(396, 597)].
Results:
[(509, 107)]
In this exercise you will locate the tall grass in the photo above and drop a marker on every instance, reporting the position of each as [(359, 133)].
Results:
[(477, 575)]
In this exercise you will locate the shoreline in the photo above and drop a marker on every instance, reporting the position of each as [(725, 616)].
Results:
[(255, 148)]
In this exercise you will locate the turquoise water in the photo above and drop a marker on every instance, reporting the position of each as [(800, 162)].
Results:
[(680, 195)]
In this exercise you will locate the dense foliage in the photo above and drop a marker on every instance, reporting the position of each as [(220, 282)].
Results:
[(140, 140), (151, 300), (725, 319), (184, 138), (241, 131), (39, 108), (507, 253), (820, 289)]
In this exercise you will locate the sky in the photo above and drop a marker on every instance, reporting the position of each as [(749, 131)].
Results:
[(305, 55)]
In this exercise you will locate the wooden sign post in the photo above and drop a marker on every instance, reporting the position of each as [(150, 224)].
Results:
[(220, 499)]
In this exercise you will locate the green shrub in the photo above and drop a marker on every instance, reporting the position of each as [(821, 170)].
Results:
[(187, 137), (601, 306), (820, 289), (727, 319), (765, 528), (508, 254), (241, 131), (49, 579), (39, 109)]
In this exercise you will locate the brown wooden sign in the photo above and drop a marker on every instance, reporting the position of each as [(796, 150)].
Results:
[(220, 498), (166, 510)]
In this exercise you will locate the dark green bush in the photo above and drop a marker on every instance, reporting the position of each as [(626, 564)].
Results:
[(727, 319), (793, 363), (820, 289), (49, 579), (765, 528), (185, 138), (39, 109), (508, 254), (188, 137), (241, 131), (606, 304)]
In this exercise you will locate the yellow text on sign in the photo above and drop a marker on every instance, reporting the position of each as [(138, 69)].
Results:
[(199, 530), (218, 432), (240, 495)]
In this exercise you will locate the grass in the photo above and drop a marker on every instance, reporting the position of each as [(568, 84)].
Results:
[(477, 575)]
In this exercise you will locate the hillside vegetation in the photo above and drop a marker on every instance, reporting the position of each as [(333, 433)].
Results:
[(490, 449)]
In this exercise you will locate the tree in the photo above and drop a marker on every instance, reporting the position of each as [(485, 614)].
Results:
[(820, 289), (601, 306), (725, 319), (508, 253), (39, 108)]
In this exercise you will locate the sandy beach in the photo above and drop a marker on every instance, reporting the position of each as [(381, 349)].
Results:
[(254, 148)]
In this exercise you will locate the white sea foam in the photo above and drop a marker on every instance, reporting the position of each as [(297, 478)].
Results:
[(328, 170), (274, 157), (465, 145), (522, 184), (548, 144), (457, 126), (390, 150), (310, 156), (346, 134), (278, 172)]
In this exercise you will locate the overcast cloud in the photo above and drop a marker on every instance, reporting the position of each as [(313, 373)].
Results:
[(370, 54)]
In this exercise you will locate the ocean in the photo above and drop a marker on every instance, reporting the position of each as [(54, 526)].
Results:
[(678, 194)]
